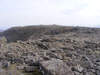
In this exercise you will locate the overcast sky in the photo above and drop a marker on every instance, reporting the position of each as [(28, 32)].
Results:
[(62, 12)]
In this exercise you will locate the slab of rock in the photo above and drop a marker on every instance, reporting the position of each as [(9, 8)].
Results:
[(29, 68), (55, 67), (20, 67), (78, 68), (5, 64)]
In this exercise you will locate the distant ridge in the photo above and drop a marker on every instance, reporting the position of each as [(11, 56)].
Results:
[(24, 33), (1, 30)]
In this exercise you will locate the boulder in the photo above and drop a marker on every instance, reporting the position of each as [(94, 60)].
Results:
[(78, 68), (29, 68), (55, 67), (20, 67), (5, 64)]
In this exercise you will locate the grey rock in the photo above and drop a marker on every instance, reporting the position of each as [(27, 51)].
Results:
[(56, 67), (20, 67), (97, 72), (78, 68), (76, 73), (5, 64), (98, 63), (89, 73), (86, 62), (29, 68)]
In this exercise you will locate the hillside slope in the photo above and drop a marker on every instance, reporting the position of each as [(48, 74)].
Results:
[(50, 50), (35, 32)]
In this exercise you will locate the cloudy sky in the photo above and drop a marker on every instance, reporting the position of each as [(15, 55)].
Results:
[(62, 12)]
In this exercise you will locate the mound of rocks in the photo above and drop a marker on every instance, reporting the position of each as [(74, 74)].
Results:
[(55, 67), (52, 56)]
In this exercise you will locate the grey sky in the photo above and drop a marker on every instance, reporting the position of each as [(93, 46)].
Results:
[(62, 12)]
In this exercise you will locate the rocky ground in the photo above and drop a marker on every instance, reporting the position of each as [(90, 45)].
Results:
[(64, 54)]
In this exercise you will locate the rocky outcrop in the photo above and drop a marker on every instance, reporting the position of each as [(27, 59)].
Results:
[(55, 67), (63, 54)]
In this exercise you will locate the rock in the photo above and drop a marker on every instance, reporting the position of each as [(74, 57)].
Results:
[(92, 70), (55, 67), (98, 63), (1, 70), (86, 62), (89, 73), (77, 68), (3, 40), (29, 68), (97, 72), (5, 64), (20, 67), (42, 45), (46, 58), (76, 73), (97, 68)]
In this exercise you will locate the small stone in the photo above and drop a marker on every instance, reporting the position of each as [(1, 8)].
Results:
[(76, 73), (98, 67), (77, 68), (98, 63), (89, 73), (20, 67)]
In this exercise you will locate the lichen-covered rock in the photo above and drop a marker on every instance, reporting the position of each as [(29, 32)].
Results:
[(56, 67)]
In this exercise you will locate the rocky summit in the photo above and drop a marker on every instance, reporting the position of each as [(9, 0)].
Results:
[(50, 50)]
